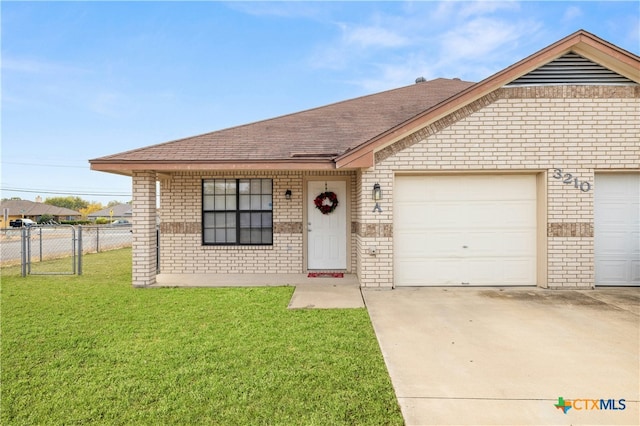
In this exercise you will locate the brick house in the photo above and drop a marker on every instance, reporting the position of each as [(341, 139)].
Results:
[(115, 212), (530, 177), (19, 209)]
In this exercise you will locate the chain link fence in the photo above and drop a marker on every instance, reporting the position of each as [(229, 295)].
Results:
[(32, 246), (10, 246), (95, 239)]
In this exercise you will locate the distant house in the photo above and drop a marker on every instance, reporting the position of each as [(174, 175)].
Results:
[(117, 212), (530, 177), (18, 209)]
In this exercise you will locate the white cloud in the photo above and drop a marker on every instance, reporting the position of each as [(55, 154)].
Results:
[(281, 9), (393, 46), (373, 37), (34, 66), (476, 8), (329, 57), (634, 34), (355, 44), (479, 48), (479, 37), (571, 13), (107, 103), (385, 76)]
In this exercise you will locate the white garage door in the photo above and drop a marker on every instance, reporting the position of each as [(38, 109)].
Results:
[(617, 229), (465, 230)]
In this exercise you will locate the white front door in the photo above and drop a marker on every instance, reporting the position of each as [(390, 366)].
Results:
[(327, 233)]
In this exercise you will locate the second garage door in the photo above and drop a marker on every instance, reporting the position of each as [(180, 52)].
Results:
[(617, 229), (465, 230)]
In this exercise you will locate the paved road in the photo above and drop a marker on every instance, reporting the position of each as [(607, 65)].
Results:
[(58, 242)]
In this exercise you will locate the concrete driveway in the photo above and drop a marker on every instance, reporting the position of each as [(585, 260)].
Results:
[(487, 356)]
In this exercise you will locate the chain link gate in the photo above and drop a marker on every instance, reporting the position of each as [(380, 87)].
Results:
[(47, 242), (32, 247)]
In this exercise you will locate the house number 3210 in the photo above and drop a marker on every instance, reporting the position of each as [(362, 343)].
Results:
[(568, 178)]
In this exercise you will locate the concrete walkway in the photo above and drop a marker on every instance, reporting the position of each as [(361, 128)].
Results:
[(310, 293), (489, 356), (248, 280), (329, 294)]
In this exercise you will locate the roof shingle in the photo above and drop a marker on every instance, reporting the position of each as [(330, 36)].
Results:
[(323, 132), (30, 208)]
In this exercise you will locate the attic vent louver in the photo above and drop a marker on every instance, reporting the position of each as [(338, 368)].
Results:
[(571, 69)]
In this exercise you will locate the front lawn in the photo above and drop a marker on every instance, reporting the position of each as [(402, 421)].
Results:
[(93, 350)]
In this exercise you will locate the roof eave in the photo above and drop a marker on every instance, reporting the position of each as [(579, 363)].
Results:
[(127, 167)]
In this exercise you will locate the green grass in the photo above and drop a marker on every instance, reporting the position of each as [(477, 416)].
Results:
[(91, 349)]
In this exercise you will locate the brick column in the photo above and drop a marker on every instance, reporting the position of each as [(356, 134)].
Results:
[(375, 230), (144, 228)]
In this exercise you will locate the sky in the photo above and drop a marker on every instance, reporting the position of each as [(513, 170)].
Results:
[(81, 80)]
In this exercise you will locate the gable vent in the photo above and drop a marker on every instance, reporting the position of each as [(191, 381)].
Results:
[(571, 69)]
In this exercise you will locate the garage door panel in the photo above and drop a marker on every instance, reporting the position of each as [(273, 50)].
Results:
[(465, 230), (635, 271), (406, 214), (612, 244), (518, 214), (439, 214), (485, 271), (418, 272), (483, 215), (635, 243), (483, 243), (494, 214), (520, 243), (612, 271), (431, 215), (513, 187), (440, 189), (421, 243), (440, 244), (616, 186), (441, 271), (617, 214), (520, 271), (516, 271), (504, 243)]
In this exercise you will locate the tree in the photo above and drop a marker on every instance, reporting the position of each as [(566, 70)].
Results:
[(113, 203), (92, 207), (73, 203)]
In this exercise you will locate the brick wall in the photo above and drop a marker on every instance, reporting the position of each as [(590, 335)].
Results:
[(577, 129), (182, 251)]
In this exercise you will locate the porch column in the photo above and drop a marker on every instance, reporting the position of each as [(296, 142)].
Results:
[(144, 228)]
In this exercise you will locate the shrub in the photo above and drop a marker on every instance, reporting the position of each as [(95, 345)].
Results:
[(46, 218), (75, 222)]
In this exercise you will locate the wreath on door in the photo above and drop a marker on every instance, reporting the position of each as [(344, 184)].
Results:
[(326, 202)]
